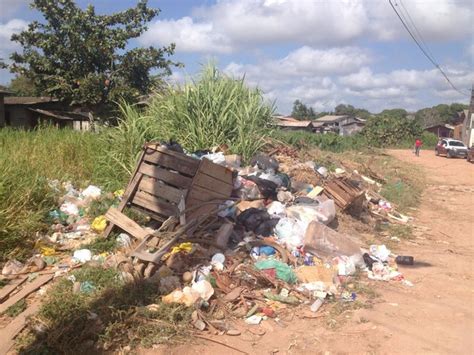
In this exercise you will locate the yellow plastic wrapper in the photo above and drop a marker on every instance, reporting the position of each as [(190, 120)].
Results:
[(186, 247), (99, 224), (119, 193), (183, 247), (47, 251)]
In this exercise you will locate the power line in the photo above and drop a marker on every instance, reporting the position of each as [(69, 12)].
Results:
[(424, 51), (416, 30)]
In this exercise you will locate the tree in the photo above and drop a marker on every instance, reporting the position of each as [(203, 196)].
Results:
[(390, 128), (350, 110), (302, 112), (24, 86), (439, 114), (80, 57)]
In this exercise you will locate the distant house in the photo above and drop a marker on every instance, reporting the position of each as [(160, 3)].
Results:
[(344, 125), (292, 124), (29, 112), (441, 130)]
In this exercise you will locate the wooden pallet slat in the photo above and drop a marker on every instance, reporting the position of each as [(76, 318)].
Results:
[(154, 204), (161, 190), (183, 166), (167, 176)]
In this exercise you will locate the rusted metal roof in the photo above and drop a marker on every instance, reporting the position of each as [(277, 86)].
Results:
[(28, 100), (62, 115), (283, 123), (331, 118)]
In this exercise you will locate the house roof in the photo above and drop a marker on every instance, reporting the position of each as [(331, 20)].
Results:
[(331, 118), (448, 126), (28, 100), (5, 92), (288, 118), (62, 115), (295, 123)]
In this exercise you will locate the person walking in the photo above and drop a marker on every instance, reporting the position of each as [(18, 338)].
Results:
[(418, 144)]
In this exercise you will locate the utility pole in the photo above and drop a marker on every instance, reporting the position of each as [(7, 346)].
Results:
[(468, 126)]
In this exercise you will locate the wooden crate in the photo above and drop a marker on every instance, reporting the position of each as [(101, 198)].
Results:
[(165, 180)]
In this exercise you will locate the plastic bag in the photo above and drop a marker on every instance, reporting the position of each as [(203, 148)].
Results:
[(276, 209), (216, 158), (326, 243), (99, 224), (91, 192), (283, 271), (290, 232), (323, 212)]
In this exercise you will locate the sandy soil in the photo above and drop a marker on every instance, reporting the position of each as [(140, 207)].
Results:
[(433, 316)]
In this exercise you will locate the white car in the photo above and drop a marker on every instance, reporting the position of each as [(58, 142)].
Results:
[(451, 148)]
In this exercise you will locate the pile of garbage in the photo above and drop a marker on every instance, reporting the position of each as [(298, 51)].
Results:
[(268, 247)]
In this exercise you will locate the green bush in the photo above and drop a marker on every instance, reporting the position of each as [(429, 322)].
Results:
[(211, 111), (390, 129)]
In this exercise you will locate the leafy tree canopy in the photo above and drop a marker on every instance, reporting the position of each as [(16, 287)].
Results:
[(342, 109), (302, 112), (390, 127), (21, 85), (439, 114), (80, 57)]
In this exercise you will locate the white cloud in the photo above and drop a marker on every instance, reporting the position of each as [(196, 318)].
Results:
[(6, 31), (231, 25), (323, 87), (188, 36)]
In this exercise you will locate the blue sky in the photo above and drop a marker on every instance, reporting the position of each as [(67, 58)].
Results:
[(319, 51)]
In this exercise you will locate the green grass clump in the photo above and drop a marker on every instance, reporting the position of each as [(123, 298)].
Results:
[(101, 245), (113, 314), (401, 193), (28, 159), (16, 309), (213, 110), (330, 141)]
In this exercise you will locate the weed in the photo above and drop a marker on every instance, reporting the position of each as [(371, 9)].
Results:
[(400, 231), (101, 205), (16, 309), (113, 314), (101, 245)]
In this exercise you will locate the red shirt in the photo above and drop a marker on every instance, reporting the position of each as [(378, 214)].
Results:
[(418, 143)]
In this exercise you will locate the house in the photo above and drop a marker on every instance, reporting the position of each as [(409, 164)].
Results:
[(344, 125), (292, 124), (29, 112), (441, 130)]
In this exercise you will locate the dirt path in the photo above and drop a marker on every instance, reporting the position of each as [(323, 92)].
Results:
[(433, 316)]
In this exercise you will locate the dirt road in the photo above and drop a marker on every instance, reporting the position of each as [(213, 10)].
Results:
[(433, 316)]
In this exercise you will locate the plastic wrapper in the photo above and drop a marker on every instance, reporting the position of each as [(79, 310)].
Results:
[(324, 212), (290, 232), (276, 209), (326, 243)]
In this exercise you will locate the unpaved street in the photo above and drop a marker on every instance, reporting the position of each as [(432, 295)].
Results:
[(433, 316)]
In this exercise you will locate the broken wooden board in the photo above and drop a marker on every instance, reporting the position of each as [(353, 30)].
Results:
[(6, 290), (27, 289), (7, 340), (128, 225), (342, 192)]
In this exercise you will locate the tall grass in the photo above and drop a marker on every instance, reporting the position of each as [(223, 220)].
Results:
[(330, 141), (213, 110), (27, 160), (122, 145)]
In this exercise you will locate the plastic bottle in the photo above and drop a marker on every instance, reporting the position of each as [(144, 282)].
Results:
[(317, 304)]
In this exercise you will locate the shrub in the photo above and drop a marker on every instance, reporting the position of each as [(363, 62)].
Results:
[(387, 130), (211, 111)]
